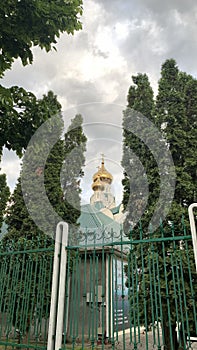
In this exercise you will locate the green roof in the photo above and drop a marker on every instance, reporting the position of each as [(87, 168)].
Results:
[(98, 228), (91, 219)]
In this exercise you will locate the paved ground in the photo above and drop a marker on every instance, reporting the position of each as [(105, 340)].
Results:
[(146, 342)]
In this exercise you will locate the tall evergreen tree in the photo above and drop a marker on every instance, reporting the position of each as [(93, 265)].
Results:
[(141, 173), (23, 231), (72, 171), (61, 175), (174, 114)]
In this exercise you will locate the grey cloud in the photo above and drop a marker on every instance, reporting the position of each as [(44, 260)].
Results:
[(132, 9), (159, 30), (156, 6), (78, 92)]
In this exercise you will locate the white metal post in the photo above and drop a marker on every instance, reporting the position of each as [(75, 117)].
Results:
[(193, 229), (61, 240), (52, 317), (62, 279)]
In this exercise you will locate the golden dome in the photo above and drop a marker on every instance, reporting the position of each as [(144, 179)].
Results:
[(97, 184), (102, 173)]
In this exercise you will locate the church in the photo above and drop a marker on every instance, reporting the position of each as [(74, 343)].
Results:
[(102, 214), (103, 300)]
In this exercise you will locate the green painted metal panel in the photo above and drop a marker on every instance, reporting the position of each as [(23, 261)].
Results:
[(133, 293), (139, 293), (25, 291)]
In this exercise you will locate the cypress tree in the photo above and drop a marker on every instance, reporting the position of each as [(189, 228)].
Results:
[(174, 114), (23, 231), (72, 170), (141, 173)]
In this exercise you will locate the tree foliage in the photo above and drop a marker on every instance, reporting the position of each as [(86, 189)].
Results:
[(23, 231), (28, 23), (24, 25), (173, 112), (18, 219), (176, 114), (21, 114), (158, 265), (60, 176), (72, 171), (138, 162)]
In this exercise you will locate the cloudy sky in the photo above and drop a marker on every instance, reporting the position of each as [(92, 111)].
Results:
[(91, 71)]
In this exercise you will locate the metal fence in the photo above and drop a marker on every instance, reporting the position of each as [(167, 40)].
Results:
[(113, 291), (25, 292)]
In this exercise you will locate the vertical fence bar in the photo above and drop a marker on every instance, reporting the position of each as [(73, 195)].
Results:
[(108, 297), (122, 294), (112, 300), (157, 296), (153, 294), (144, 288), (96, 292), (116, 296), (66, 330), (84, 307), (103, 296), (167, 311)]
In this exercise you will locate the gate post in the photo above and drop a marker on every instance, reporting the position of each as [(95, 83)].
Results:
[(58, 288), (193, 229)]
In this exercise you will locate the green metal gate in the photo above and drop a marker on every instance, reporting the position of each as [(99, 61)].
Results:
[(131, 293), (108, 291), (25, 292)]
